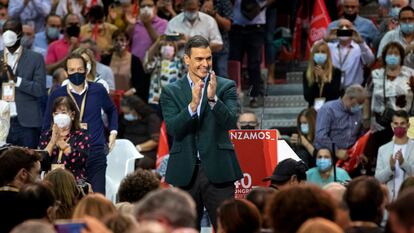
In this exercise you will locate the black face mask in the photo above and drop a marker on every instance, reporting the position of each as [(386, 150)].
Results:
[(247, 127), (73, 31), (350, 17)]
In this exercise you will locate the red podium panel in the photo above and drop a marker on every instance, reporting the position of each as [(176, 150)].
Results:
[(256, 151)]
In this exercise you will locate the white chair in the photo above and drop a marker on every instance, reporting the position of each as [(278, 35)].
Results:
[(121, 162)]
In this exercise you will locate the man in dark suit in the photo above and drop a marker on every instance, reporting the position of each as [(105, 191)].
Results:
[(199, 110), (25, 70)]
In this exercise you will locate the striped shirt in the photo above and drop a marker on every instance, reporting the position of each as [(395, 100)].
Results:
[(338, 125)]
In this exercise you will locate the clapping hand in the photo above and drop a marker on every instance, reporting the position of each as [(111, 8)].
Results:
[(212, 86)]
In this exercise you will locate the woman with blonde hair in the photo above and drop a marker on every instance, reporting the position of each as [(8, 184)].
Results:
[(321, 81), (95, 205), (65, 190)]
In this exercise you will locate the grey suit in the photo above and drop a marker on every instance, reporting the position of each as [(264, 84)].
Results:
[(383, 170), (25, 128), (32, 70)]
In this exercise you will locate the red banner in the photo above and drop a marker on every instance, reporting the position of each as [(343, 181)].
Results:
[(319, 23), (256, 151)]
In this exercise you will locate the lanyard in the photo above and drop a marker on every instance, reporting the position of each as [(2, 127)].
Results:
[(342, 62), (16, 62), (82, 109)]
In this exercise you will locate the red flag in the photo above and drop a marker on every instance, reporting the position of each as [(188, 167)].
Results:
[(319, 23), (163, 148)]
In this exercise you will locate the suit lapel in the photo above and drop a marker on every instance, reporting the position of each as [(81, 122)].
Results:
[(186, 90), (21, 61)]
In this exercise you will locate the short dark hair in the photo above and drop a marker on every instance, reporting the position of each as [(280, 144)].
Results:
[(364, 198), (120, 32), (136, 185), (239, 216), (96, 12), (406, 8), (71, 106), (403, 208), (75, 56), (301, 201), (195, 42), (14, 159), (52, 15), (393, 45), (34, 200), (402, 114)]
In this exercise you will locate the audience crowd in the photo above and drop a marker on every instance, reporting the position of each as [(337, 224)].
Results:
[(78, 74)]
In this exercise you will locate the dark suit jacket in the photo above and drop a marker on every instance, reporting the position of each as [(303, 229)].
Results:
[(207, 134), (31, 68)]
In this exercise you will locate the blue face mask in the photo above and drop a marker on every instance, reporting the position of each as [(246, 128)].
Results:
[(77, 78), (304, 128), (323, 164), (356, 108), (320, 58), (394, 12), (392, 60), (53, 33), (130, 117), (407, 28)]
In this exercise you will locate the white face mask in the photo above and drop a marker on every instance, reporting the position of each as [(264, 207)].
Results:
[(9, 38), (88, 68), (147, 11), (62, 120)]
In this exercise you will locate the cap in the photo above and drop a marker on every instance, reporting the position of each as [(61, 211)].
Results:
[(284, 170)]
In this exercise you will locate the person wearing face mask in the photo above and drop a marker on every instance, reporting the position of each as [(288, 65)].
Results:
[(404, 34), (164, 65), (141, 125), (365, 27), (396, 158), (323, 173), (192, 22), (23, 70), (147, 28), (31, 12), (28, 37), (321, 81), (66, 143), (248, 120), (339, 122), (349, 53), (98, 30), (391, 22), (59, 50), (302, 140), (51, 33), (90, 98)]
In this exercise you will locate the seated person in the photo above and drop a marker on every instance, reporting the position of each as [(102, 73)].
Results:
[(324, 172), (141, 126), (287, 172), (66, 144)]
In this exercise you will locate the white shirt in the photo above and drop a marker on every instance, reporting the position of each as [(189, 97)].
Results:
[(204, 25), (398, 172), (11, 61)]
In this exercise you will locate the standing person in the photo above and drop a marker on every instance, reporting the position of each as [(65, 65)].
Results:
[(396, 158), (25, 70), (90, 98), (51, 33), (199, 110), (31, 12)]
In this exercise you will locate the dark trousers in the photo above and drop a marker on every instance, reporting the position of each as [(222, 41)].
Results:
[(250, 40), (207, 194), (220, 60), (23, 136), (96, 168)]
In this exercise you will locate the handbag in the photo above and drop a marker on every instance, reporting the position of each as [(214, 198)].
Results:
[(385, 118)]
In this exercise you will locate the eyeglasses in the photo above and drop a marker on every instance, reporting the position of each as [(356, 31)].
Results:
[(248, 123)]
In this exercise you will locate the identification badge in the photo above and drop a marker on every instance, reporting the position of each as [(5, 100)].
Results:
[(318, 103), (57, 165), (84, 126), (8, 92)]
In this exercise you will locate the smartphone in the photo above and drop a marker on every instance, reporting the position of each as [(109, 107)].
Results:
[(68, 226), (173, 37), (344, 32)]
